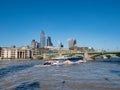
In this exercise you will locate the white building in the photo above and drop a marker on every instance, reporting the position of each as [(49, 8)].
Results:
[(16, 53), (24, 53), (9, 53)]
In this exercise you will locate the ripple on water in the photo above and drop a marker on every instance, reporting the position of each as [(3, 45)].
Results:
[(88, 76), (116, 72)]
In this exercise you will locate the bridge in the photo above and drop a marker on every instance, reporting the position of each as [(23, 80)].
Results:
[(92, 55), (87, 55), (95, 54)]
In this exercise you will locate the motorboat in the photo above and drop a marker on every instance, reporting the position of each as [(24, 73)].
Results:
[(68, 60), (75, 60), (61, 58), (53, 63)]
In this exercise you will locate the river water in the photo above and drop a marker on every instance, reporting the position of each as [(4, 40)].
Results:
[(32, 75)]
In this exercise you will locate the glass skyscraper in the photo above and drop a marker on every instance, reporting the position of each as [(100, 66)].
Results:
[(42, 39), (49, 42)]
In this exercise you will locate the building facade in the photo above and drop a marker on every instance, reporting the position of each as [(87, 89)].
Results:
[(24, 53), (16, 53), (9, 53)]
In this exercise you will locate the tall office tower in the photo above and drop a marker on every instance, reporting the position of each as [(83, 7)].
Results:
[(49, 42), (38, 44), (42, 39), (71, 43), (75, 42), (33, 44)]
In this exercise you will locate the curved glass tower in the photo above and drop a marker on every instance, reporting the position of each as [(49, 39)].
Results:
[(42, 39)]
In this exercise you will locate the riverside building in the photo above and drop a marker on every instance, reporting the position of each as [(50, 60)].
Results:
[(16, 53)]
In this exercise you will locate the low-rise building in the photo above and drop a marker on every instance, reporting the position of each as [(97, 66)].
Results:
[(24, 53), (16, 53), (9, 53)]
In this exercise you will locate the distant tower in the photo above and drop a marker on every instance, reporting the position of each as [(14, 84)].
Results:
[(42, 39), (60, 45), (71, 43), (33, 44), (49, 42), (75, 42)]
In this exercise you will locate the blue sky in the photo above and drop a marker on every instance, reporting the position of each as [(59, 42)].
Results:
[(93, 23)]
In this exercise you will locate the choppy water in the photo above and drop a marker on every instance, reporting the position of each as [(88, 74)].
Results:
[(29, 75)]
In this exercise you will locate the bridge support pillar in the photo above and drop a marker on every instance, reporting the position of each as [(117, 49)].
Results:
[(44, 56), (87, 57)]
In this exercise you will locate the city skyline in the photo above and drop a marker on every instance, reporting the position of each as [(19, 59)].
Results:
[(93, 23)]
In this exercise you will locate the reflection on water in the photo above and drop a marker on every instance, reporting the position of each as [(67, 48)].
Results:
[(117, 72), (24, 75), (12, 69), (28, 86)]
